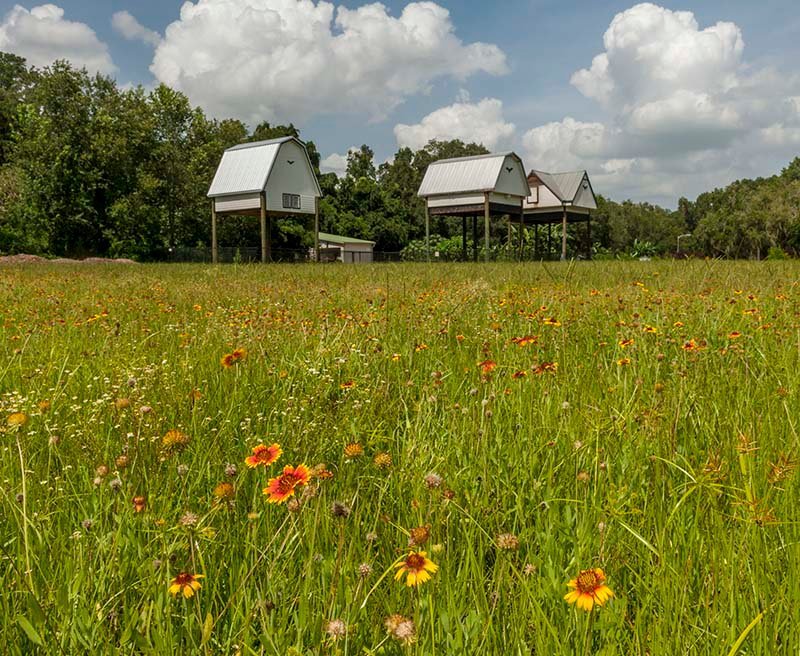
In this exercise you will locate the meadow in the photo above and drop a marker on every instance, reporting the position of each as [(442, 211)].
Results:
[(517, 424)]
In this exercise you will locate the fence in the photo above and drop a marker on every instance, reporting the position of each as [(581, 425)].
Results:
[(252, 254)]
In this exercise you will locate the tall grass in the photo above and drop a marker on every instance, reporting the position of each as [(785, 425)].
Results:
[(668, 461)]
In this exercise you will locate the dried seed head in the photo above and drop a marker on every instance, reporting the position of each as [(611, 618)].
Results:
[(336, 629), (433, 481), (340, 510), (189, 519), (507, 542)]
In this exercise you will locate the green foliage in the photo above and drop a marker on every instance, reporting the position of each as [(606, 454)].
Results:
[(662, 449), (88, 168)]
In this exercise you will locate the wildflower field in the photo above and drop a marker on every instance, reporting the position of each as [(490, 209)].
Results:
[(456, 459)]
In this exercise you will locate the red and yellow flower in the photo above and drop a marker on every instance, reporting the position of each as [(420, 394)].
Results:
[(280, 488), (185, 584), (589, 588), (416, 567), (263, 455)]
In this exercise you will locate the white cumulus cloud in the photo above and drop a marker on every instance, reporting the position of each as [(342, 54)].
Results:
[(291, 59), (126, 25), (42, 35), (480, 122), (685, 111), (336, 163)]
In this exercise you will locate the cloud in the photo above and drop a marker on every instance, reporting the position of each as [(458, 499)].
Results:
[(685, 111), (480, 122), (563, 145), (42, 35), (126, 25), (285, 60), (336, 163)]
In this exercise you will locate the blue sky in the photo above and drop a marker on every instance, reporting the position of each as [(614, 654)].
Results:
[(632, 140)]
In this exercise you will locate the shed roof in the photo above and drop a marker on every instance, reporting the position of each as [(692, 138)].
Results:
[(338, 239), (245, 168), (565, 186), (461, 175)]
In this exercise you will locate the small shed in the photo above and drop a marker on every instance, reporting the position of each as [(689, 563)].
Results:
[(346, 249), (265, 179), (560, 198), (484, 185)]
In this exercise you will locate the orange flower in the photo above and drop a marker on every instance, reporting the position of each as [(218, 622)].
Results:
[(519, 374), (280, 488), (525, 341), (625, 343), (416, 567), (588, 589), (263, 455), (734, 335), (421, 347), (487, 366), (186, 584), (552, 321), (651, 330), (692, 345), (622, 362), (545, 368), (348, 384), (230, 359), (139, 504), (224, 491)]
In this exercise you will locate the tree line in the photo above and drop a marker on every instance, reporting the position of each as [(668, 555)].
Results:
[(91, 168)]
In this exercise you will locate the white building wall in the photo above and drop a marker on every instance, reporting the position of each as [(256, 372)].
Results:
[(238, 203), (455, 200), (296, 178), (513, 181), (357, 253), (584, 197), (546, 199)]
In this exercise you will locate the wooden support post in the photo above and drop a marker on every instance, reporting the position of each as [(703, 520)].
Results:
[(564, 236), (316, 229), (214, 253), (549, 240), (464, 238), (264, 237), (589, 237), (521, 232), (427, 231), (475, 238), (536, 241), (486, 236)]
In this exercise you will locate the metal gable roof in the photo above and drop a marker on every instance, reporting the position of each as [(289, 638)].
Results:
[(464, 174), (245, 169), (565, 186), (338, 239)]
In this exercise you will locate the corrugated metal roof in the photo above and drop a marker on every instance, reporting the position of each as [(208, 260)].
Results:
[(463, 175), (244, 169), (338, 239), (564, 185)]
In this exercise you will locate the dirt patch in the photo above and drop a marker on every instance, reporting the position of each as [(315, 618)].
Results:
[(35, 259)]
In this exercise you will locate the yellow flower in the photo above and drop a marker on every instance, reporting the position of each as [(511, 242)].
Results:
[(416, 567), (17, 420), (186, 584), (353, 450), (588, 589)]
